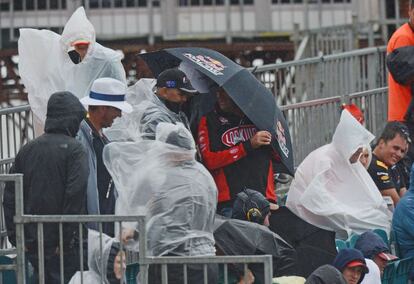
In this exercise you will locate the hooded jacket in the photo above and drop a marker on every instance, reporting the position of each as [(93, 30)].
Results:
[(100, 263), (55, 173), (403, 221), (370, 244), (326, 274), (345, 256)]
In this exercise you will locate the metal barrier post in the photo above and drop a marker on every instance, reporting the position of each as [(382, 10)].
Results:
[(268, 269), (142, 252), (18, 219)]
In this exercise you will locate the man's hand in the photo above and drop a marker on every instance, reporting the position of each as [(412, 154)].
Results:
[(127, 235), (261, 138)]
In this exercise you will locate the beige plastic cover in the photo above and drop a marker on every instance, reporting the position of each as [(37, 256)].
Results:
[(45, 67), (330, 192)]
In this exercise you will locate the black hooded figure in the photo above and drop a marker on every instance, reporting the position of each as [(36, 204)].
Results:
[(55, 172)]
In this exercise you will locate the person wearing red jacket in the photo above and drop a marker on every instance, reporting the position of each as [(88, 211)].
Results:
[(236, 153)]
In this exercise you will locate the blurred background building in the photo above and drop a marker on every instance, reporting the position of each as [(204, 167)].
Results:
[(252, 32)]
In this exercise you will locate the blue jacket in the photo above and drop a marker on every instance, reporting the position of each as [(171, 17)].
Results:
[(403, 221), (345, 256)]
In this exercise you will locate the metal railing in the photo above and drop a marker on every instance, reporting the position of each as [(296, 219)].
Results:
[(144, 260), (16, 129), (325, 76), (313, 123)]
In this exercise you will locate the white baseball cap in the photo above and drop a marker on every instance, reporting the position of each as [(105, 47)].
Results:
[(107, 92)]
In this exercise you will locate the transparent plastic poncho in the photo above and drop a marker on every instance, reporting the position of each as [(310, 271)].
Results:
[(45, 67), (97, 259), (178, 193), (330, 192)]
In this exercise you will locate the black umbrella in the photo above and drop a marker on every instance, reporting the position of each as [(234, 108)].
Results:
[(247, 92), (237, 237), (314, 246)]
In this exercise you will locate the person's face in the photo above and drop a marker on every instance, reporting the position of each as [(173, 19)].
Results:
[(225, 103), (392, 151), (173, 95), (109, 115), (352, 274), (381, 263), (364, 158), (82, 49), (355, 156)]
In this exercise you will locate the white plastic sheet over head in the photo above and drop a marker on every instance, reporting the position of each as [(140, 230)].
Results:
[(97, 259), (330, 192), (179, 193), (45, 67)]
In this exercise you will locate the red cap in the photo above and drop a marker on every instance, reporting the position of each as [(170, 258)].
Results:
[(355, 111), (80, 42), (355, 263), (387, 256)]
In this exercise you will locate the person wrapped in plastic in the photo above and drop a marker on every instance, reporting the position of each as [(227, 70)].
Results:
[(179, 194), (333, 190), (49, 62), (104, 266)]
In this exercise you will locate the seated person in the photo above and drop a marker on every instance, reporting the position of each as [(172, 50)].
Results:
[(332, 190), (111, 260), (251, 205), (390, 149), (373, 247), (352, 264), (326, 274)]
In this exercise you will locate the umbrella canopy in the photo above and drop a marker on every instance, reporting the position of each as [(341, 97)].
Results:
[(237, 237), (250, 95), (314, 246)]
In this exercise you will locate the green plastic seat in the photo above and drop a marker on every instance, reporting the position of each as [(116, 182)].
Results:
[(352, 240), (389, 271), (340, 244), (402, 270), (131, 273)]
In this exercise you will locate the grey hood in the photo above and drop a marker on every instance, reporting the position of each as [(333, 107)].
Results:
[(64, 114), (326, 274)]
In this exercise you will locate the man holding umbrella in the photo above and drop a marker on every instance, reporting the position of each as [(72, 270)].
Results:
[(235, 152)]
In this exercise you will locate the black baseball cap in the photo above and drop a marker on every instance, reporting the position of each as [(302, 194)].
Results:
[(175, 79)]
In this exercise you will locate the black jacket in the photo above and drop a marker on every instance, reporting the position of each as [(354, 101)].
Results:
[(55, 172), (224, 142)]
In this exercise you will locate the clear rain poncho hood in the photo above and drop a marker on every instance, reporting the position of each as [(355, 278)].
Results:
[(99, 263), (45, 66), (330, 192), (179, 194)]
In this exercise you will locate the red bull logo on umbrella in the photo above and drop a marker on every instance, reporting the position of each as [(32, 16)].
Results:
[(281, 138), (210, 64)]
